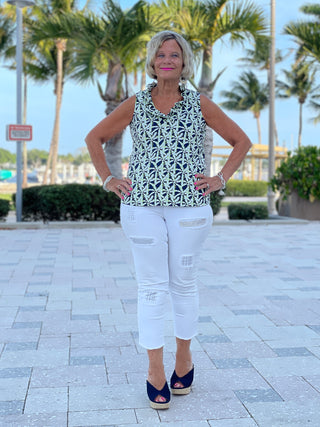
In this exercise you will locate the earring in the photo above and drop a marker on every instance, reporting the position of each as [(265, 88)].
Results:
[(182, 84)]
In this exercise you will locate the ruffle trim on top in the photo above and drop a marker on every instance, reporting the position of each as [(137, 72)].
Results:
[(149, 105)]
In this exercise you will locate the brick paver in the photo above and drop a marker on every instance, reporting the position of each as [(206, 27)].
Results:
[(68, 330)]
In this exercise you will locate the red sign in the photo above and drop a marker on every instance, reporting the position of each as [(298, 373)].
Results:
[(19, 133)]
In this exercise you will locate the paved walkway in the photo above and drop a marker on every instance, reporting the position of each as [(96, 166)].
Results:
[(68, 331)]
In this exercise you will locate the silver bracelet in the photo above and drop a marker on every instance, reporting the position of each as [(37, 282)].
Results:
[(223, 182), (108, 179)]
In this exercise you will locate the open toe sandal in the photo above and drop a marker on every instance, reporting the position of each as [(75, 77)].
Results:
[(153, 393), (186, 381)]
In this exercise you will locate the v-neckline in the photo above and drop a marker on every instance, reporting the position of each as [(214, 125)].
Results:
[(152, 86)]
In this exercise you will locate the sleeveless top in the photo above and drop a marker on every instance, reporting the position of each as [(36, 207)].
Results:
[(168, 150)]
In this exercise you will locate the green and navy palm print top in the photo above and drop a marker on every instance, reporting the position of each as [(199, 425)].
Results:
[(168, 150)]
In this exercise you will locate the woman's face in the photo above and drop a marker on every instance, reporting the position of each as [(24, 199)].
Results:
[(168, 62)]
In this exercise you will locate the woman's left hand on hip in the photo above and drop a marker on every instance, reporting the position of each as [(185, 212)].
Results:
[(207, 183)]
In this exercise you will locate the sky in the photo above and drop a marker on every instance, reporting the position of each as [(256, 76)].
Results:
[(82, 107)]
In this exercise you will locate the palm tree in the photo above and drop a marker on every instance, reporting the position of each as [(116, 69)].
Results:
[(315, 104), (203, 23), (6, 31), (307, 33), (260, 57), (8, 51), (247, 94), (53, 60), (300, 82), (108, 45), (127, 35)]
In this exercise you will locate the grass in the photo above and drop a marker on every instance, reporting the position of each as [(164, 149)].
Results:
[(226, 204), (6, 197)]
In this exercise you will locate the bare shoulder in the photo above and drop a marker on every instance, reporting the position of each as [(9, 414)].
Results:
[(121, 116), (212, 113), (208, 107), (115, 122), (126, 107), (217, 120)]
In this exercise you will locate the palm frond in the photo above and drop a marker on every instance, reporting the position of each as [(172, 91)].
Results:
[(246, 94), (307, 36), (240, 21)]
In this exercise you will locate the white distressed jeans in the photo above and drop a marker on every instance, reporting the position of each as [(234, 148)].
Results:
[(166, 243)]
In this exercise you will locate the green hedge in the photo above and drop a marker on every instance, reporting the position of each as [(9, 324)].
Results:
[(4, 208), (215, 202), (245, 188), (69, 202), (75, 202), (301, 172), (248, 211)]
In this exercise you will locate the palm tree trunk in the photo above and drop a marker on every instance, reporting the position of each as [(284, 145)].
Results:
[(113, 147), (257, 116), (61, 47), (204, 87), (114, 82), (48, 167), (113, 95), (300, 124), (206, 72)]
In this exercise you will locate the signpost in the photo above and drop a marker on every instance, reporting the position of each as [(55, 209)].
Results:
[(19, 133), (20, 4)]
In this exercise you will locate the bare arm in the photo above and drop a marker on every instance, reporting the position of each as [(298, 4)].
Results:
[(110, 126), (222, 124)]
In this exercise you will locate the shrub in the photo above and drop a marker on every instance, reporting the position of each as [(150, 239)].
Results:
[(72, 202), (248, 211), (4, 208), (215, 202), (300, 172), (245, 188)]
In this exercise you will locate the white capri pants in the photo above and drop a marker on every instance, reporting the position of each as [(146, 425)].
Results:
[(166, 243)]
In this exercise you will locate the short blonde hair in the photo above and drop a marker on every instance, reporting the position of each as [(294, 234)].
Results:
[(156, 42)]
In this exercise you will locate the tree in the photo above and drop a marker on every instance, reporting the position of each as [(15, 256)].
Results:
[(107, 45), (203, 24), (8, 50), (37, 158), (300, 82), (6, 157), (307, 33), (53, 59), (260, 57), (315, 104), (6, 31), (247, 94)]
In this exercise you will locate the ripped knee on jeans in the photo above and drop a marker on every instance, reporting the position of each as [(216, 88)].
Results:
[(149, 297), (187, 269), (187, 261), (193, 222), (141, 240)]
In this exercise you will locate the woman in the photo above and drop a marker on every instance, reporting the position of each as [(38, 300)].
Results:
[(165, 209)]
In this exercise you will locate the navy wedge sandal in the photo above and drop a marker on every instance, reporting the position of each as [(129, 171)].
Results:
[(186, 381), (153, 393)]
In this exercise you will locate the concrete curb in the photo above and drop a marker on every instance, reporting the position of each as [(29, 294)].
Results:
[(110, 224)]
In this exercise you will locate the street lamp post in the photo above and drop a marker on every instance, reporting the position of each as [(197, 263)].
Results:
[(20, 4), (271, 167)]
